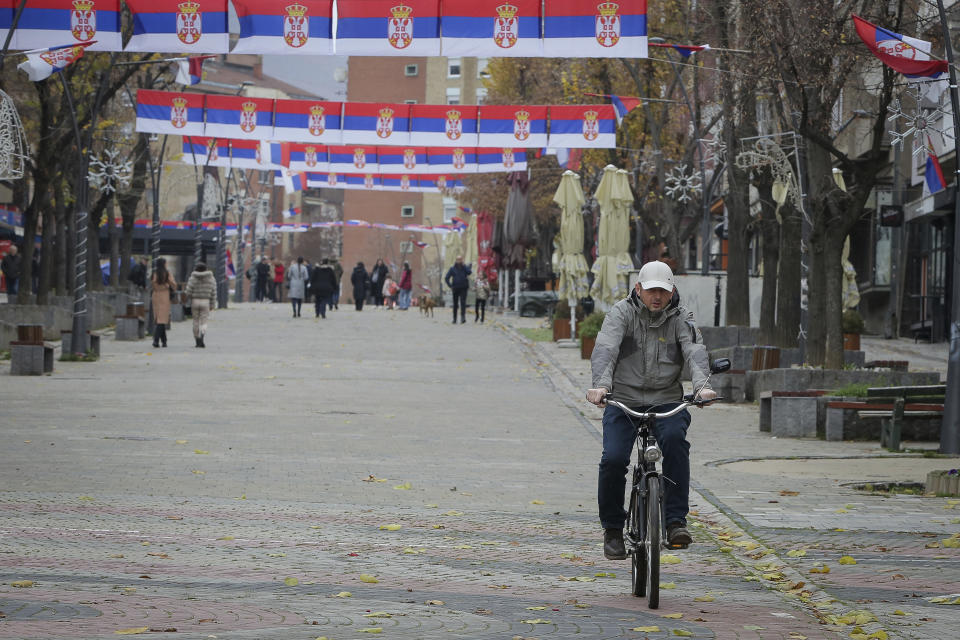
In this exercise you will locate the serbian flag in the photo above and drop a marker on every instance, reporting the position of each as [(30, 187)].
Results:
[(903, 54), (297, 27), (933, 174), (376, 122), (206, 152), (190, 70), (245, 154), (452, 159), (362, 181), (308, 157), (307, 121), (493, 160), (394, 182), (492, 28), (179, 26), (622, 105), (402, 160), (274, 154), (420, 243), (291, 212), (42, 64), (353, 159), (169, 112), (48, 23), (685, 50), (595, 28), (325, 180), (583, 126), (231, 270), (292, 181), (513, 126), (239, 117), (444, 125), (388, 28)]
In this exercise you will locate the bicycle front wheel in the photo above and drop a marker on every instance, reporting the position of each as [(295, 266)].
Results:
[(652, 542), (638, 558)]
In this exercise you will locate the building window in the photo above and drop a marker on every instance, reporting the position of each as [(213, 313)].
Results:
[(407, 211), (482, 67), (453, 67), (406, 247), (481, 95), (450, 209), (409, 102), (453, 95), (411, 70)]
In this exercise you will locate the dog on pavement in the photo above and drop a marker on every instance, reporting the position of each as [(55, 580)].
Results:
[(426, 305)]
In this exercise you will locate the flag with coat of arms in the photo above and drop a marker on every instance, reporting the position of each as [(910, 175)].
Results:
[(40, 65)]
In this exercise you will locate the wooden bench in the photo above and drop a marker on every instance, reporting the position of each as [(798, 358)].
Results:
[(29, 354), (901, 403), (66, 341)]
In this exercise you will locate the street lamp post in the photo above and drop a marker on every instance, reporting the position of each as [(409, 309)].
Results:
[(436, 244)]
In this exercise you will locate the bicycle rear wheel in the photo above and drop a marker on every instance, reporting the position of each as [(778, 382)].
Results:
[(652, 542), (638, 558)]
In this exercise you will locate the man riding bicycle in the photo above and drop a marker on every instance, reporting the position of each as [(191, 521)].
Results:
[(639, 354)]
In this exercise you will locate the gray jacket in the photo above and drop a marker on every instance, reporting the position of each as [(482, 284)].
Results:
[(639, 355), (202, 285)]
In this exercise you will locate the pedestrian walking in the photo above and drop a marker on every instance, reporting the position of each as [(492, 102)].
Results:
[(163, 289), (338, 274), (483, 292), (361, 282), (263, 278), (406, 286), (202, 292), (390, 290), (138, 274), (322, 284), (278, 280), (458, 279), (297, 276), (377, 274), (11, 265)]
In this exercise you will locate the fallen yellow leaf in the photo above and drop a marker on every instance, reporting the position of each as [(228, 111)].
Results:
[(536, 502), (605, 574), (343, 594), (673, 616), (373, 478), (181, 442), (366, 577), (650, 629), (22, 584), (200, 452), (846, 560), (405, 486), (682, 633), (704, 599), (371, 630), (434, 602), (537, 621), (378, 614), (668, 585), (225, 538), (453, 512), (535, 608), (823, 569), (291, 582), (796, 553), (131, 632), (669, 558), (950, 543), (390, 527)]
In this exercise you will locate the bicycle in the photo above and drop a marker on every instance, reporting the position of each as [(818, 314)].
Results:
[(644, 531)]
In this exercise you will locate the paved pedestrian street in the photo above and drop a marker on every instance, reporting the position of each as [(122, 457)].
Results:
[(381, 473)]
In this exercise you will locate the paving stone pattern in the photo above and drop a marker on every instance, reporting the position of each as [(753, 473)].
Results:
[(380, 470)]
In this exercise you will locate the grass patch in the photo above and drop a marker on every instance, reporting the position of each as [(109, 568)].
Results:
[(89, 356), (852, 390), (902, 488), (540, 334), (4, 355)]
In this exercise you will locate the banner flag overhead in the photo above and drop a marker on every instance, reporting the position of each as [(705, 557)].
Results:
[(180, 26), (452, 159), (170, 112), (513, 126), (591, 29), (401, 160), (206, 152), (308, 121), (40, 65), (239, 117), (443, 124), (49, 23), (352, 159), (491, 160), (296, 27), (388, 28), (190, 70), (308, 157), (583, 126), (245, 154), (498, 28), (376, 123), (903, 54), (394, 182)]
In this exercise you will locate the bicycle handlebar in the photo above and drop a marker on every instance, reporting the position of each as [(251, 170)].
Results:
[(651, 414)]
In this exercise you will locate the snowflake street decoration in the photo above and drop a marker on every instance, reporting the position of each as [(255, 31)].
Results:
[(715, 149), (921, 122), (211, 198), (13, 143), (109, 174), (767, 153), (682, 186)]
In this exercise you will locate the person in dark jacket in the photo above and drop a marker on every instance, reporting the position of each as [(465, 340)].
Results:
[(11, 265), (322, 283), (458, 279), (338, 274), (361, 282), (138, 274), (263, 277), (377, 276)]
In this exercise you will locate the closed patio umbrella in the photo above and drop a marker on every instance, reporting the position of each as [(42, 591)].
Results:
[(452, 247), (613, 264), (470, 252), (572, 265)]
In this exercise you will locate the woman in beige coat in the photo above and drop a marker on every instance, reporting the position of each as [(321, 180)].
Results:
[(163, 288)]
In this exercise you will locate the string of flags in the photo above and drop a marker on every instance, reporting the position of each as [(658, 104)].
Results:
[(528, 28), (384, 124), (231, 228)]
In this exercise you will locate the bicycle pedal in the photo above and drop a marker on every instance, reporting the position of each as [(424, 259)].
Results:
[(678, 546)]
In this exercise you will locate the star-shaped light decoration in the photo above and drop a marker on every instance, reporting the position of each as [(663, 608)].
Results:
[(109, 173), (922, 122), (682, 186)]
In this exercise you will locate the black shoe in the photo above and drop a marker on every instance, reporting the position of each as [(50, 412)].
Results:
[(198, 341), (202, 345), (613, 548), (677, 536), (156, 344), (463, 320)]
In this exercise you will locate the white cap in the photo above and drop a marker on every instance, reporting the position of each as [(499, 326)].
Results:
[(656, 275)]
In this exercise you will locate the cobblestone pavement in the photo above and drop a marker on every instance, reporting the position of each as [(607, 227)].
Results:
[(305, 478)]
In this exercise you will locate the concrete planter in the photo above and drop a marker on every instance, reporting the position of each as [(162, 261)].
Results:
[(851, 342), (945, 483), (586, 347), (561, 329)]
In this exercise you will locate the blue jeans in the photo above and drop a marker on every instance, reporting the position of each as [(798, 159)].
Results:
[(619, 436), (404, 298)]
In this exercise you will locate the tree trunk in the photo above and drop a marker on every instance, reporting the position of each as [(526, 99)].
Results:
[(770, 238), (833, 289), (46, 255), (114, 242), (738, 277), (788, 279)]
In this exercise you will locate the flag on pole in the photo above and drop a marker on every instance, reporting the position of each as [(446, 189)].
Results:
[(41, 65), (622, 105), (685, 50), (231, 271), (903, 54), (190, 70), (933, 174), (291, 212), (420, 243)]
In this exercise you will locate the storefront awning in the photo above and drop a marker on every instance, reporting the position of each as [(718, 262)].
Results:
[(932, 206)]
